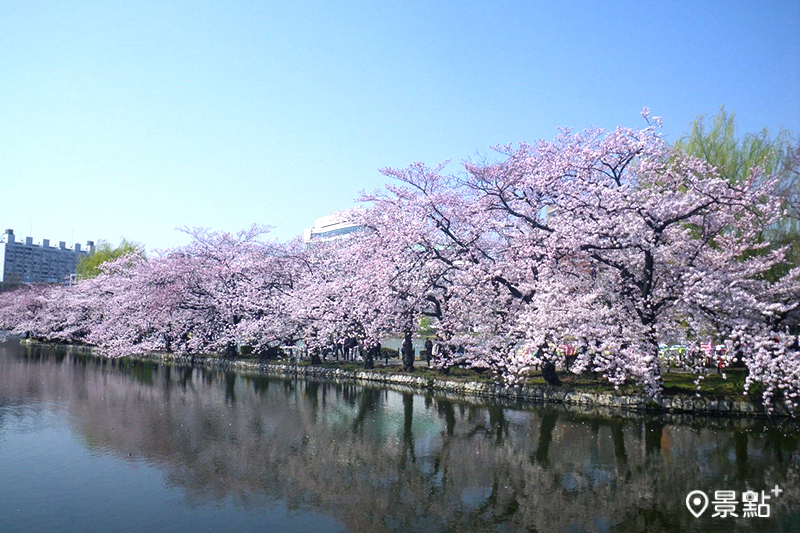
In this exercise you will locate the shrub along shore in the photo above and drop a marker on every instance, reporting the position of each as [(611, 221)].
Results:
[(716, 398)]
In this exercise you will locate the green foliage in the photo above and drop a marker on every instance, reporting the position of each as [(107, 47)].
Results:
[(735, 158), (675, 383), (425, 328), (90, 265)]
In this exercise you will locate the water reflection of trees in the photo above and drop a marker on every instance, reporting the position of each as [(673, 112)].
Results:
[(381, 460)]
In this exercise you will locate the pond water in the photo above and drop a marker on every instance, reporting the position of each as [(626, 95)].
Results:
[(93, 445)]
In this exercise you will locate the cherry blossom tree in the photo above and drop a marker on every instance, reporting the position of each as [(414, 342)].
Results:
[(218, 292), (651, 243), (431, 254), (610, 242), (322, 304)]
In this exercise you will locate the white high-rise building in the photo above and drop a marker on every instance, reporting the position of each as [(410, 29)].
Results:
[(329, 227), (26, 262)]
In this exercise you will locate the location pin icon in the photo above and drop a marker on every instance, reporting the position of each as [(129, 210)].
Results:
[(697, 502)]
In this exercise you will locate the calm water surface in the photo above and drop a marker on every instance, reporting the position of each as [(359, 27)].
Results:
[(87, 445)]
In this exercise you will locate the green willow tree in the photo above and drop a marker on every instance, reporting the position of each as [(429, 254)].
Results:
[(89, 266), (716, 142)]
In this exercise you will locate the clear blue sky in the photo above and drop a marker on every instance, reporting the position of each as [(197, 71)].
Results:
[(130, 119)]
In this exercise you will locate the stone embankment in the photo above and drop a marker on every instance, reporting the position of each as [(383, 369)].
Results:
[(526, 393)]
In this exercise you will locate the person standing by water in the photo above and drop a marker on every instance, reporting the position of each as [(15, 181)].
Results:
[(428, 351)]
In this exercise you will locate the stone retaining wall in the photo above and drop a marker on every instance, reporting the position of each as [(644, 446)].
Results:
[(527, 393)]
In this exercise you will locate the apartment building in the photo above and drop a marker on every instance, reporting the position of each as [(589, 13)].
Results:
[(26, 262)]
